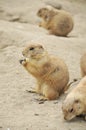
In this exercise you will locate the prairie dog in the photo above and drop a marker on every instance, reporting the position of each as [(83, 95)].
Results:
[(58, 22), (83, 65), (75, 102), (50, 72)]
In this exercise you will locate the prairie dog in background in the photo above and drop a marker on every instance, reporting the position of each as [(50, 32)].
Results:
[(58, 22)]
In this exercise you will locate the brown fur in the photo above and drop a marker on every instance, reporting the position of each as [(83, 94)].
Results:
[(58, 22), (83, 65), (75, 102), (51, 72)]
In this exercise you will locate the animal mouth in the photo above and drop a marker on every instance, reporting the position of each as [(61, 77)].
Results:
[(37, 54), (68, 119)]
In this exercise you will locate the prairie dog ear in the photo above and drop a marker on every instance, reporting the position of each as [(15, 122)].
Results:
[(50, 15)]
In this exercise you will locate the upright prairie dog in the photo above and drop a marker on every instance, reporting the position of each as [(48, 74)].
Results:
[(58, 22), (83, 65), (50, 72), (75, 102)]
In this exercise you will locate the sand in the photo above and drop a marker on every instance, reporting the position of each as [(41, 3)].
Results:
[(20, 110)]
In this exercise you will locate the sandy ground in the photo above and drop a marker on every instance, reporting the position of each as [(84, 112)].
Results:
[(20, 110)]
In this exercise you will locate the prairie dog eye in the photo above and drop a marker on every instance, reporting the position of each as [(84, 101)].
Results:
[(32, 48), (77, 101), (71, 110), (40, 47), (46, 16)]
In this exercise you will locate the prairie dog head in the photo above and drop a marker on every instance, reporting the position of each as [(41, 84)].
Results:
[(34, 51), (43, 13), (72, 106), (46, 13)]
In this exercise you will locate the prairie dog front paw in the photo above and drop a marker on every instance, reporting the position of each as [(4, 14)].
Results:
[(23, 62)]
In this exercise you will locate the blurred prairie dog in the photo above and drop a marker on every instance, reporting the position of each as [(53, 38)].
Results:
[(83, 65), (50, 72), (58, 22), (75, 102)]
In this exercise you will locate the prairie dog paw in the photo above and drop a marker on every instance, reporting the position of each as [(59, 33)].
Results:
[(23, 62)]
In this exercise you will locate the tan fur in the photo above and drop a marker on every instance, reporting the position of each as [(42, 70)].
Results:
[(75, 102), (83, 65), (58, 22), (51, 72)]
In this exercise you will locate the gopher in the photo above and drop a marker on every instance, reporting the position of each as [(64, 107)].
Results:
[(83, 65), (58, 22), (50, 72), (75, 102)]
